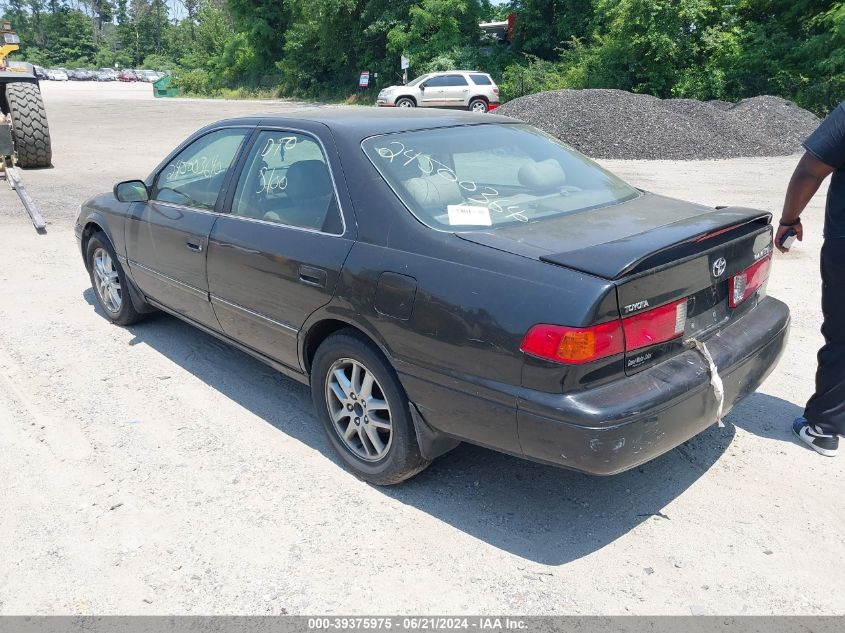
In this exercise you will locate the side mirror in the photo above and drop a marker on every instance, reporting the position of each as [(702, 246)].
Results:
[(131, 191), (422, 86)]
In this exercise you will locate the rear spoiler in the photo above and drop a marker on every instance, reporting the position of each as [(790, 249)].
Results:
[(613, 260)]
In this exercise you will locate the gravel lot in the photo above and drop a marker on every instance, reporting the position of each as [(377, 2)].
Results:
[(615, 124), (154, 470)]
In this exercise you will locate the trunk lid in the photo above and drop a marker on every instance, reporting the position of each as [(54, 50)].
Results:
[(656, 251)]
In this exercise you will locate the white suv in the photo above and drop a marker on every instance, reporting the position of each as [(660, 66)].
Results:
[(465, 89)]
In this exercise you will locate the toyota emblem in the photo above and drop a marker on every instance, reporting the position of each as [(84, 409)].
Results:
[(719, 267)]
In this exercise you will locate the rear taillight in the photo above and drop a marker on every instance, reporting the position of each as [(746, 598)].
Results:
[(495, 90), (655, 326), (582, 345), (746, 283), (574, 345)]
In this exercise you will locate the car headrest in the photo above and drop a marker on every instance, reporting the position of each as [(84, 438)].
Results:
[(545, 175), (308, 179), (434, 192)]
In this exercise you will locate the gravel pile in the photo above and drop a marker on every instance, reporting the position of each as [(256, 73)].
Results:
[(619, 124)]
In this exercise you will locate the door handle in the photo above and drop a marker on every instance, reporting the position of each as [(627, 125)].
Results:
[(194, 246), (312, 276)]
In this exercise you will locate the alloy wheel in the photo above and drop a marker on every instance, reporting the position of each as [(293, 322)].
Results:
[(359, 409), (107, 282)]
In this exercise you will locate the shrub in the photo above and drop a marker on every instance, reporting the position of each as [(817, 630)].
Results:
[(535, 76), (197, 82)]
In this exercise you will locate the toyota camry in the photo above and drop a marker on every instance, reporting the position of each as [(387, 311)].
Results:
[(443, 277)]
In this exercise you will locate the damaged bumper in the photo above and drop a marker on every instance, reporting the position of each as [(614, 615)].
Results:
[(618, 426)]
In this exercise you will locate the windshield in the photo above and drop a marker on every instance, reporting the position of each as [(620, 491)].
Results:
[(463, 178), (417, 80)]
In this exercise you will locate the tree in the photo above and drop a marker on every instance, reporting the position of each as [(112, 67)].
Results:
[(264, 24), (543, 26), (315, 51), (646, 45), (70, 40), (435, 27), (725, 49), (191, 8)]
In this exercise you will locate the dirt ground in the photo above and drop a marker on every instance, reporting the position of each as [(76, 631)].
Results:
[(154, 470)]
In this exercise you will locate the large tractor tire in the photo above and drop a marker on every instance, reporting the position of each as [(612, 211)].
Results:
[(29, 124)]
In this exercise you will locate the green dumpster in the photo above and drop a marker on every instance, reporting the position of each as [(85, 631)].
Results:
[(164, 87)]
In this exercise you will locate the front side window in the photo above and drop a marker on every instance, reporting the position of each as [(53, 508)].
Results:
[(286, 180), (195, 176), (436, 82), (467, 177)]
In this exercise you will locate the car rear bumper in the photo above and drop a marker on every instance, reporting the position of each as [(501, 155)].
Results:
[(620, 425)]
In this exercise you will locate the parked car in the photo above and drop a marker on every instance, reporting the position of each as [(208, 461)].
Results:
[(147, 76), (40, 73), (57, 74), (458, 279), (463, 89), (105, 74)]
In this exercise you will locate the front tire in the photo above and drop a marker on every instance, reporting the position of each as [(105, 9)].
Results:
[(29, 124), (109, 282), (405, 102), (364, 410)]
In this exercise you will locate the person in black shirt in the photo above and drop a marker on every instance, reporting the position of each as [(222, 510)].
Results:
[(824, 416)]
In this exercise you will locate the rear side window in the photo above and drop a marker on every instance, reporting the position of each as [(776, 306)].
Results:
[(195, 176), (286, 180), (481, 80), (456, 80)]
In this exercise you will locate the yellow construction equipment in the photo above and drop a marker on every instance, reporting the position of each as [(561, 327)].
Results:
[(24, 135), (21, 103)]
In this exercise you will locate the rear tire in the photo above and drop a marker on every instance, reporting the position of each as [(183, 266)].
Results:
[(364, 410), (478, 105), (29, 124), (405, 102)]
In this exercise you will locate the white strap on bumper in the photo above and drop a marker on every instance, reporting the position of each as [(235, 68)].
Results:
[(715, 380)]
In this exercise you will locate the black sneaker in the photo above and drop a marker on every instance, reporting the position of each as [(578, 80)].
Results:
[(823, 443)]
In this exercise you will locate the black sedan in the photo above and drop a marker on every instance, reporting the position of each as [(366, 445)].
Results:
[(440, 277)]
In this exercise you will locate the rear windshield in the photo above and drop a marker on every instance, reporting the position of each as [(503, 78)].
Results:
[(481, 80), (463, 178)]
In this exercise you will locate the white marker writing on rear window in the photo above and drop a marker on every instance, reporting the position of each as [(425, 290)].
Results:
[(427, 165)]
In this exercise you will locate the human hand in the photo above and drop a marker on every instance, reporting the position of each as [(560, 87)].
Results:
[(782, 230)]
